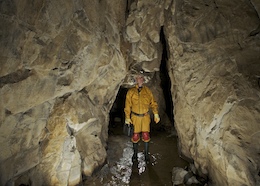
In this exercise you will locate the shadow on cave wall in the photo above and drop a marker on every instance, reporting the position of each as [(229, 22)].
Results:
[(116, 115), (165, 79)]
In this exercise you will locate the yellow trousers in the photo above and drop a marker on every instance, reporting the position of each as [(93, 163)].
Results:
[(141, 124)]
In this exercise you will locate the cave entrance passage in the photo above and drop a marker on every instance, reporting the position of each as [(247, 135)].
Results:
[(117, 111), (163, 146)]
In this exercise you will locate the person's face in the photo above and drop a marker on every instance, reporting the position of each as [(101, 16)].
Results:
[(140, 80)]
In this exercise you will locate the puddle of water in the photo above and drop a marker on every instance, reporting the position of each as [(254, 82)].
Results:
[(120, 170)]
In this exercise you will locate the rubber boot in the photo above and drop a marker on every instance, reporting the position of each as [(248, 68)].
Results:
[(135, 147), (146, 152)]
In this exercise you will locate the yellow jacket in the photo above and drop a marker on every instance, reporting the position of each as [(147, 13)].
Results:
[(140, 103)]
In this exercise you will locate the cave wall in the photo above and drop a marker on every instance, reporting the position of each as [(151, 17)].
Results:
[(61, 67), (214, 65)]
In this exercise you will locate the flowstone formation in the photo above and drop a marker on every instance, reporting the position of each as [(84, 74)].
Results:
[(62, 64)]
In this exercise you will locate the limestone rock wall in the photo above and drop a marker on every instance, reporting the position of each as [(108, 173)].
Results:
[(61, 67), (143, 32), (214, 65)]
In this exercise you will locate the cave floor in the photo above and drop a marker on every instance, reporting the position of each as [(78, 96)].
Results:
[(119, 169)]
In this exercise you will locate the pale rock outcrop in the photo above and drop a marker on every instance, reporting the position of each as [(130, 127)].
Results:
[(143, 27)]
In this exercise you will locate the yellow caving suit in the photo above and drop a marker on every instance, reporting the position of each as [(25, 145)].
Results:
[(140, 103)]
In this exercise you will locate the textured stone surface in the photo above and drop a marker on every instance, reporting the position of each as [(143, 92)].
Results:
[(58, 83), (214, 65), (143, 27), (62, 64)]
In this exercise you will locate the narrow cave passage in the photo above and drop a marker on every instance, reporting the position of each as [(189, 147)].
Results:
[(117, 111), (119, 169)]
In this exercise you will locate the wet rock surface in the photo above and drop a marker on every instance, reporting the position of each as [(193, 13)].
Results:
[(120, 170)]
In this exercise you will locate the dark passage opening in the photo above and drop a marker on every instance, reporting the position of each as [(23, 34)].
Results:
[(116, 115), (165, 79), (117, 111)]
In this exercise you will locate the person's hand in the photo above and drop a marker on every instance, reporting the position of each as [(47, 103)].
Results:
[(128, 121), (156, 118)]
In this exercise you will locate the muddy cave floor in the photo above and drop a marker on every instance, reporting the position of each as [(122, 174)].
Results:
[(119, 169)]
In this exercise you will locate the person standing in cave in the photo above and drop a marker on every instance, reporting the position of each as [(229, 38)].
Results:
[(139, 100)]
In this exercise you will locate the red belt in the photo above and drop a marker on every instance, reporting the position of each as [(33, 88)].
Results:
[(140, 115)]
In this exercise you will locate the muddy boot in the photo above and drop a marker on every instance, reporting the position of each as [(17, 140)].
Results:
[(135, 146), (146, 151)]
